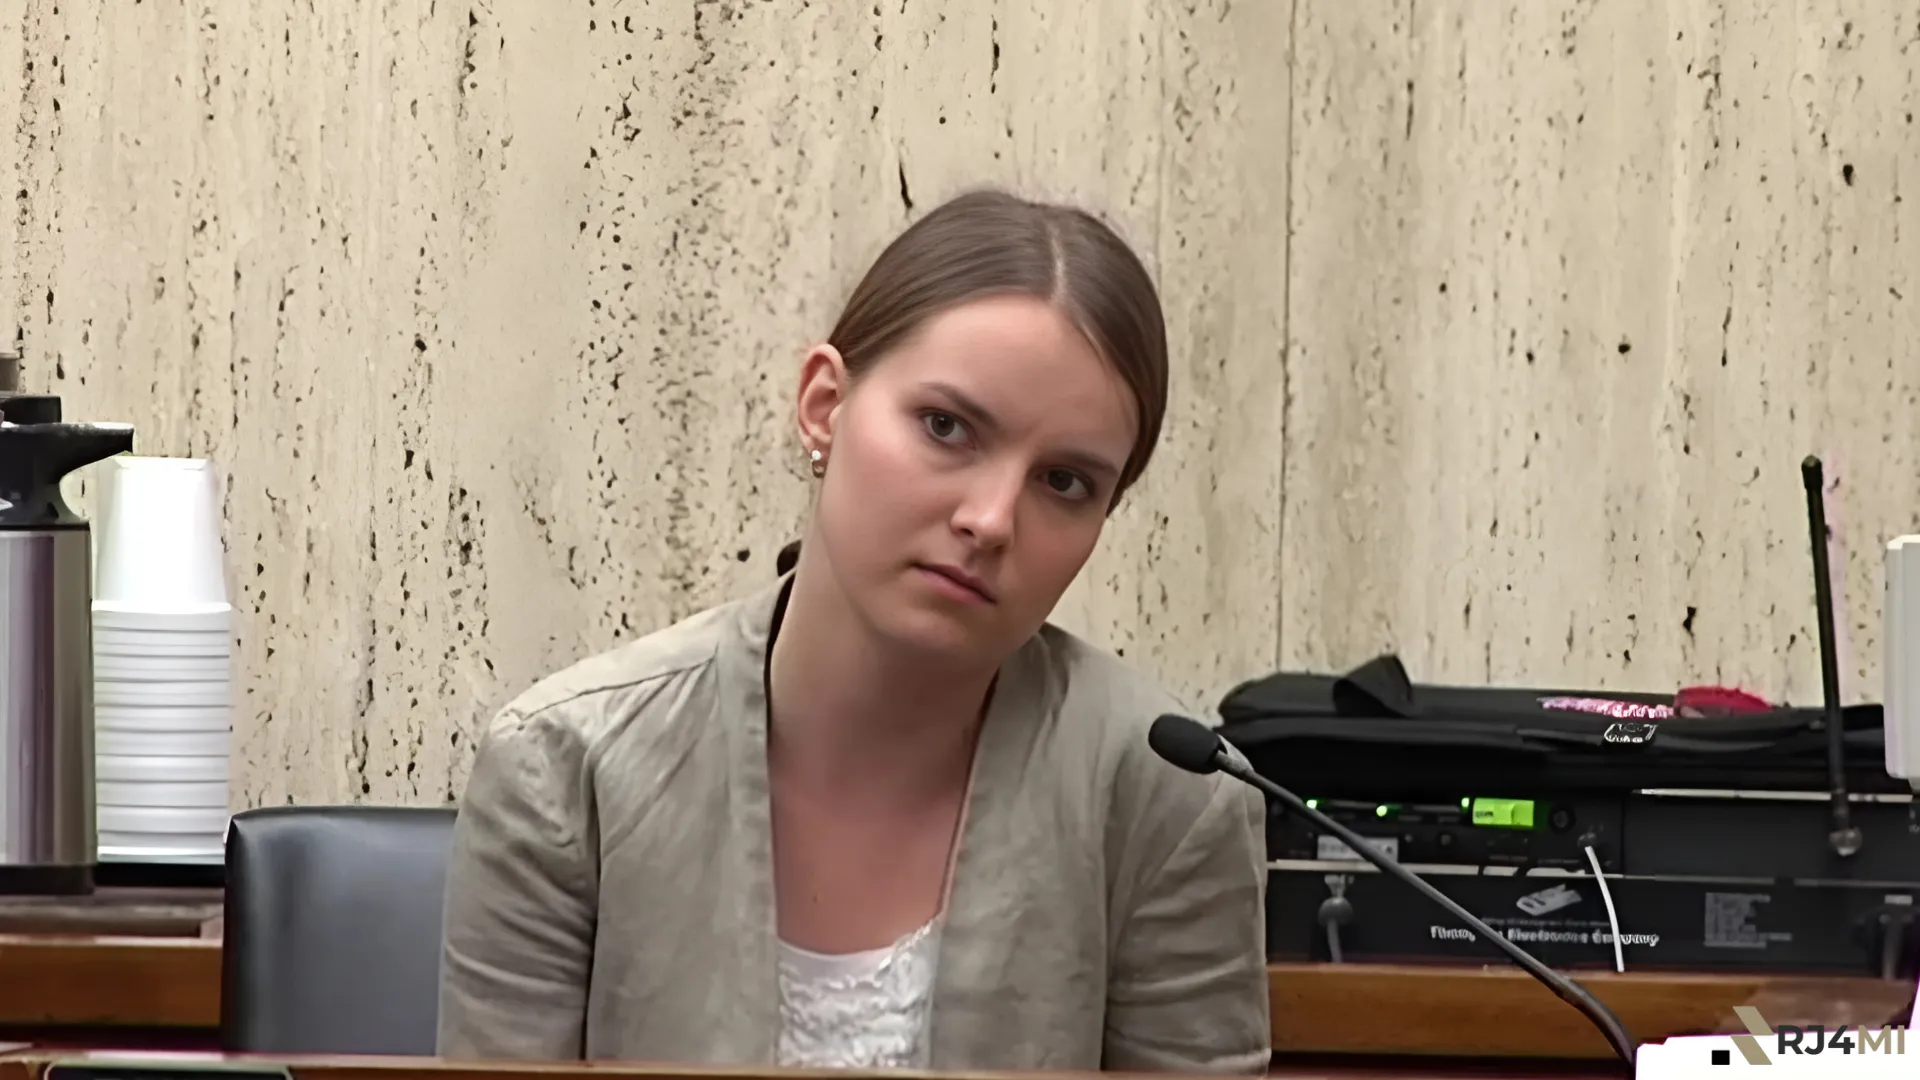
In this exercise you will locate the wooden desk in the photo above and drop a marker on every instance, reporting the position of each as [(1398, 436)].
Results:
[(59, 981), (1502, 1012), (116, 913), (121, 967), (165, 992), (32, 1066)]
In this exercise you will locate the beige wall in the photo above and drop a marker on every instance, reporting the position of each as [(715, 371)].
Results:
[(489, 311)]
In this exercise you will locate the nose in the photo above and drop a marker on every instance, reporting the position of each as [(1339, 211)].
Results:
[(989, 506)]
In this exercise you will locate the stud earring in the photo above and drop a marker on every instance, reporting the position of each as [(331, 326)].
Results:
[(819, 461)]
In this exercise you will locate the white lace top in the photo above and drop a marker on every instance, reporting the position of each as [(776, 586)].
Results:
[(858, 1010)]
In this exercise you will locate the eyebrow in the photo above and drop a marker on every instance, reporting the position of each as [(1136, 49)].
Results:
[(983, 417)]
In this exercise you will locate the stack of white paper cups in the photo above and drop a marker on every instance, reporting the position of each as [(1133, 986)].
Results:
[(162, 663)]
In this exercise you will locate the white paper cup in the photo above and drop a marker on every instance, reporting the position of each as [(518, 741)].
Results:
[(113, 742), (111, 667), (149, 769), (186, 643), (158, 540), (184, 843), (145, 820), (170, 796), (168, 719), (203, 619), (200, 853), (162, 695)]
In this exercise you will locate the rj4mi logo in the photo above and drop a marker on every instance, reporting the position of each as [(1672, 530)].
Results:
[(1812, 1039)]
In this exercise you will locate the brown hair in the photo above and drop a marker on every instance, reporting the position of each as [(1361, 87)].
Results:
[(988, 243)]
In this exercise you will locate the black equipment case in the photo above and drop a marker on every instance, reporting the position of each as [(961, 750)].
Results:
[(1373, 730)]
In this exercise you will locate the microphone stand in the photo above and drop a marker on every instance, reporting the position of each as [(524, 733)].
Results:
[(1568, 991)]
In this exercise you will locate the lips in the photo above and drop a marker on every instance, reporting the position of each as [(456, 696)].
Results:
[(960, 577)]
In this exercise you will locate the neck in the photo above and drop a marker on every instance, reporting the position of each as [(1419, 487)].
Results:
[(853, 715)]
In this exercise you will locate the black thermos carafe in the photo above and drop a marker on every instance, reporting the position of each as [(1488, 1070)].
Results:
[(47, 833)]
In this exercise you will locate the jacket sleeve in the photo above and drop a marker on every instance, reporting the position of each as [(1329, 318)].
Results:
[(1188, 987), (522, 882)]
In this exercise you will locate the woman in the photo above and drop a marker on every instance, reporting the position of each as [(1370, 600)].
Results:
[(881, 814)]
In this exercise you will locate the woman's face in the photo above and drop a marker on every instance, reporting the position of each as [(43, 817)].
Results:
[(969, 473)]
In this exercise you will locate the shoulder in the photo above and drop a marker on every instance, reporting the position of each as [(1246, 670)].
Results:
[(1103, 709), (1090, 676), (652, 682), (1184, 859)]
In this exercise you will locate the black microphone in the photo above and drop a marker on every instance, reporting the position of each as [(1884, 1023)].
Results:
[(1199, 749)]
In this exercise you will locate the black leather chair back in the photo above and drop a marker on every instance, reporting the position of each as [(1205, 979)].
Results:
[(333, 918)]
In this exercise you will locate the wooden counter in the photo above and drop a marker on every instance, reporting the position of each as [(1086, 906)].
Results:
[(119, 967), (80, 982), (1502, 1012), (58, 981), (32, 1065), (142, 969), (164, 913)]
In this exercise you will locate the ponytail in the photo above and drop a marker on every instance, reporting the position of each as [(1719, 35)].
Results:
[(788, 558)]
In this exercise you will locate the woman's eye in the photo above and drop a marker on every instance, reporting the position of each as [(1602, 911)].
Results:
[(944, 427), (1070, 485)]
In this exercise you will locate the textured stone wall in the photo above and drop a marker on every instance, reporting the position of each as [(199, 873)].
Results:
[(1501, 325), (1575, 286)]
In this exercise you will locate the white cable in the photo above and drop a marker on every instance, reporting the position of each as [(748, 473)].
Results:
[(1613, 921)]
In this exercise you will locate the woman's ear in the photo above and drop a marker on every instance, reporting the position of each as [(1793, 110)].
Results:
[(824, 385)]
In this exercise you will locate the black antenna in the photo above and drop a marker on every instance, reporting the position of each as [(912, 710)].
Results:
[(1844, 839)]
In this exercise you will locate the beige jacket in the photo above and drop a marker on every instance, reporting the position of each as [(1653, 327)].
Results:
[(611, 888)]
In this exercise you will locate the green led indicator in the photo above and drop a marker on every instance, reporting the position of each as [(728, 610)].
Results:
[(1379, 811), (1466, 804), (1313, 804), (1503, 813)]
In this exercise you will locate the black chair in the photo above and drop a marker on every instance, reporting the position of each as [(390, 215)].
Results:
[(333, 918)]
